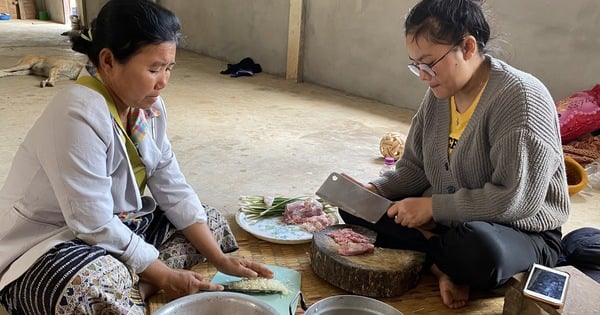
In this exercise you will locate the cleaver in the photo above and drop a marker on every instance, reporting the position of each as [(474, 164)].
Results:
[(353, 198)]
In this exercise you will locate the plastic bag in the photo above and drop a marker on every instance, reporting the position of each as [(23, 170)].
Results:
[(593, 172)]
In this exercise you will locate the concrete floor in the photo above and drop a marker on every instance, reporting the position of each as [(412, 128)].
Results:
[(232, 136), (258, 135)]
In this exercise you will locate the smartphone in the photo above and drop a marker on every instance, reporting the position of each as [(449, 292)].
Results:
[(547, 285)]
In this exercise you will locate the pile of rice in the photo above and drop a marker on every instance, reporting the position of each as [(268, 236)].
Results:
[(259, 284)]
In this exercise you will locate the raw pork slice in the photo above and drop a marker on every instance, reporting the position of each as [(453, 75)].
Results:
[(309, 214), (318, 222), (351, 243), (353, 249), (296, 212)]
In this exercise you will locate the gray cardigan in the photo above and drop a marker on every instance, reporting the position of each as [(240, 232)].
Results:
[(508, 166)]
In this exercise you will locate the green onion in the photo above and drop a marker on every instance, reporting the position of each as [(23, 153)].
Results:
[(255, 208)]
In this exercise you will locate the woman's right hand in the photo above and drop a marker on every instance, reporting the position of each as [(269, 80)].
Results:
[(182, 282), (176, 282)]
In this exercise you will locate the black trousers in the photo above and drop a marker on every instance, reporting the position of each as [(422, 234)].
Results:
[(483, 255)]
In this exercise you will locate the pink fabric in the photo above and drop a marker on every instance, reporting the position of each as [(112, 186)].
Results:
[(579, 114), (138, 122)]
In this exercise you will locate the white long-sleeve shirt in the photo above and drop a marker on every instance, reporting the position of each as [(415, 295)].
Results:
[(71, 176)]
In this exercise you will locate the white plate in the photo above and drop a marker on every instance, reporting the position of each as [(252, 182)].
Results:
[(273, 230)]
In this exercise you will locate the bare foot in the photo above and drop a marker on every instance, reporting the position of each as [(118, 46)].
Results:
[(454, 296)]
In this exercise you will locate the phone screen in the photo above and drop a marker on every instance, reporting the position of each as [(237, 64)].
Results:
[(547, 283)]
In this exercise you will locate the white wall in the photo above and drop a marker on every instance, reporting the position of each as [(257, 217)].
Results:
[(558, 41), (234, 29), (357, 46)]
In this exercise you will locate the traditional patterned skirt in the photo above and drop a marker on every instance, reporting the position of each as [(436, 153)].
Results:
[(76, 278)]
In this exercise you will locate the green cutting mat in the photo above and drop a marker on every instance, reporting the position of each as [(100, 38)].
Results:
[(288, 277)]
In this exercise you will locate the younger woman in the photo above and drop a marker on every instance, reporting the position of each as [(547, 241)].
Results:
[(482, 186)]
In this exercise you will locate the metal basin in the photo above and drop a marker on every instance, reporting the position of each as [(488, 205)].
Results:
[(217, 303), (348, 305)]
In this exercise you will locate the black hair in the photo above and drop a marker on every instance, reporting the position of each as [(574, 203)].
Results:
[(124, 26), (448, 22)]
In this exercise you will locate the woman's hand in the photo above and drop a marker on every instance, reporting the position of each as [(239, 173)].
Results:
[(411, 212), (175, 282), (180, 282), (201, 237), (242, 267)]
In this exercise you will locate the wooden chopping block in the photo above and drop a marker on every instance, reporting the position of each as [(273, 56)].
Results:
[(383, 273)]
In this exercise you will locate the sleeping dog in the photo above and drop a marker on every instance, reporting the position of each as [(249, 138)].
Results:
[(54, 68)]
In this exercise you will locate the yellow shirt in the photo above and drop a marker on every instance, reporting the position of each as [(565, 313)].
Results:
[(459, 121), (139, 169)]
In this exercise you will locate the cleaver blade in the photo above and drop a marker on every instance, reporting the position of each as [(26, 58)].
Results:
[(353, 198)]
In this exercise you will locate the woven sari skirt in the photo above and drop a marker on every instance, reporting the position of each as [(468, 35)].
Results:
[(76, 278)]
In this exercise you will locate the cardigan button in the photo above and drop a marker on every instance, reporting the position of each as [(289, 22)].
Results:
[(451, 189)]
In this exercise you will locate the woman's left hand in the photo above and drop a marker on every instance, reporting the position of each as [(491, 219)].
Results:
[(201, 237), (243, 267), (411, 212)]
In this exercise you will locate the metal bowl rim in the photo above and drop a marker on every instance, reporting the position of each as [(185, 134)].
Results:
[(182, 301), (331, 302)]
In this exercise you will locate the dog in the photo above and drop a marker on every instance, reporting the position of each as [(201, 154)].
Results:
[(53, 68)]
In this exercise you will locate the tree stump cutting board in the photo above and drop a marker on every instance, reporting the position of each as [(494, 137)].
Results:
[(383, 273)]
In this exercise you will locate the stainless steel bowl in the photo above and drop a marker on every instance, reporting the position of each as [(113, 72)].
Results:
[(347, 305), (217, 303)]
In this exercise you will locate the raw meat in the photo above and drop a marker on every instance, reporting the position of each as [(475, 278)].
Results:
[(309, 214), (353, 249), (351, 243), (297, 212), (318, 222)]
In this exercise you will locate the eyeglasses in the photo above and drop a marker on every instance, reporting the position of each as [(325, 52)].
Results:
[(416, 68)]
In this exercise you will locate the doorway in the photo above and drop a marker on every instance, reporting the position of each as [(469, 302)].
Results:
[(60, 11)]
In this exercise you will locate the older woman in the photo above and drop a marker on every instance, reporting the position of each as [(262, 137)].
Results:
[(78, 235)]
